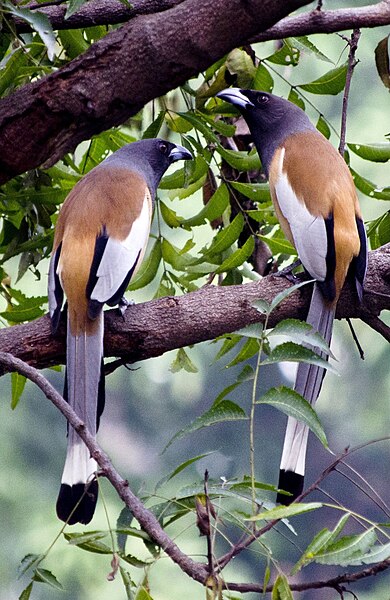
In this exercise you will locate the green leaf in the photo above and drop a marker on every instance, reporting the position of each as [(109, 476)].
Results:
[(183, 361), (259, 192), (376, 555), (39, 22), (347, 549), (295, 98), (382, 61), (278, 245), (254, 330), (281, 589), (279, 298), (374, 152), (238, 257), (25, 595), (240, 160), (222, 412), (287, 55), (291, 352), (45, 576), (239, 63), (321, 541), (263, 79), (249, 349), (215, 207), (27, 310), (301, 333), (333, 82), (154, 128), (10, 70), (89, 541), (18, 382), (127, 582), (179, 259), (225, 237), (305, 44), (285, 512), (196, 121), (148, 269), (229, 341), (323, 127), (73, 41), (178, 180), (134, 561), (28, 562), (294, 405), (143, 594), (370, 189), (181, 468), (73, 7)]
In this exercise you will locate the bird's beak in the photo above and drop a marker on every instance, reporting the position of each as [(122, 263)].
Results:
[(235, 97), (180, 153)]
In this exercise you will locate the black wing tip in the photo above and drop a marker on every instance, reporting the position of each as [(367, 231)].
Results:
[(85, 497), (289, 482)]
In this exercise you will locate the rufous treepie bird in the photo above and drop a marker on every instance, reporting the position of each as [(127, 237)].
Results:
[(317, 206), (99, 242)]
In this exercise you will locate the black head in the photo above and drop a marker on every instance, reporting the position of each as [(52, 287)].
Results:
[(270, 119), (149, 157)]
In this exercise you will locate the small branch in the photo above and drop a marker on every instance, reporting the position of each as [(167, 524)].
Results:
[(352, 62), (377, 325), (145, 518), (330, 21), (334, 583)]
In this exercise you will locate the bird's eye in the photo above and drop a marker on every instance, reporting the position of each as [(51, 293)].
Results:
[(163, 148), (262, 99)]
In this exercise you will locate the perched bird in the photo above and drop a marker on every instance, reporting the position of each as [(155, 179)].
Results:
[(317, 206), (99, 242)]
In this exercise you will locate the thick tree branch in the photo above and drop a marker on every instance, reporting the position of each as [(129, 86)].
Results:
[(119, 74), (153, 328)]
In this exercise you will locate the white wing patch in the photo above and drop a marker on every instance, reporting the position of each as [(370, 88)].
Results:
[(308, 231), (120, 256)]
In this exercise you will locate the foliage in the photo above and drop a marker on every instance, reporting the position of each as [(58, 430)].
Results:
[(211, 214)]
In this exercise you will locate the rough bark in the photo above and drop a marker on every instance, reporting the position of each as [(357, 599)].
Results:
[(152, 328), (119, 74)]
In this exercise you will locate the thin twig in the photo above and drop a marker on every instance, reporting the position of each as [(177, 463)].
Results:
[(352, 62)]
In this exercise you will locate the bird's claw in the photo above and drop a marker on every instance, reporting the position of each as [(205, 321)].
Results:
[(123, 304), (287, 272)]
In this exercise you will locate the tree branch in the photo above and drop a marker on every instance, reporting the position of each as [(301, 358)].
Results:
[(120, 73), (96, 12), (329, 21), (153, 328)]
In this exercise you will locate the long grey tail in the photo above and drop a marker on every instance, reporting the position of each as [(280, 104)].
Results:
[(84, 390), (308, 383)]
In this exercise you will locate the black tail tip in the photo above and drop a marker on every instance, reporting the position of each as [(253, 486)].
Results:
[(289, 482), (84, 496)]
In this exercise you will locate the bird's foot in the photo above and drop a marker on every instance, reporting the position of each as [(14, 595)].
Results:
[(123, 304), (287, 272)]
